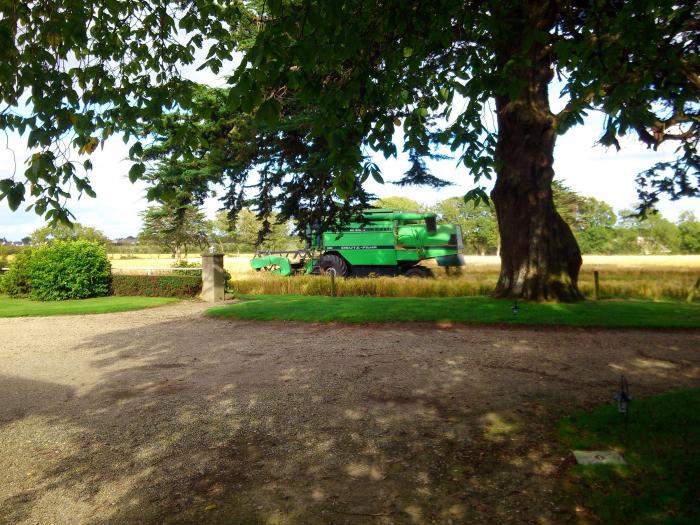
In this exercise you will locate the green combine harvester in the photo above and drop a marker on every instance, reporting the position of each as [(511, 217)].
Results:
[(379, 242)]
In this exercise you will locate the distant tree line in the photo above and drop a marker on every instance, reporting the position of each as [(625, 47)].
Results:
[(596, 225), (163, 232), (598, 229)]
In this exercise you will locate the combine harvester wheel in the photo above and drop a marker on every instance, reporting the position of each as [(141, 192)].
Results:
[(420, 272), (334, 264)]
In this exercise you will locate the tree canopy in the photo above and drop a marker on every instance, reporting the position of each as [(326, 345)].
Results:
[(478, 223), (72, 74), (175, 230), (396, 202), (245, 232), (89, 71), (689, 228), (65, 232)]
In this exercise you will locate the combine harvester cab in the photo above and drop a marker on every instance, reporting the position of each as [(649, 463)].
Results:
[(380, 242)]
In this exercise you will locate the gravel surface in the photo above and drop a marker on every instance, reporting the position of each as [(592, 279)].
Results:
[(163, 416)]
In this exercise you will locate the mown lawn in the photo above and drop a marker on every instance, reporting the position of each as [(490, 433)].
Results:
[(661, 445), (98, 305), (477, 310)]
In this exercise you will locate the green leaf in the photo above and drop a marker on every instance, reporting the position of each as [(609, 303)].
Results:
[(269, 111), (344, 183), (136, 151), (478, 195), (137, 171), (15, 196)]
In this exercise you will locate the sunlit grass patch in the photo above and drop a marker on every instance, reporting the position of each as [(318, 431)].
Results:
[(97, 305), (496, 428)]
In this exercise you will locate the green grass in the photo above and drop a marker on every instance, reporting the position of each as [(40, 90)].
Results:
[(98, 305), (660, 483), (479, 310)]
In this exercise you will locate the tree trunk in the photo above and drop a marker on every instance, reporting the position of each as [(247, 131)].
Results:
[(540, 259)]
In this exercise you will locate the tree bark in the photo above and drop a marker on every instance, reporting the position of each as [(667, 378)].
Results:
[(540, 259)]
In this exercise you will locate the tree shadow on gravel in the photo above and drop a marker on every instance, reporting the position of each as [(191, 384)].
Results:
[(203, 421)]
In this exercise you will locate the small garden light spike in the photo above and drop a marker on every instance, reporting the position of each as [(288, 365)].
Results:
[(623, 396), (623, 399), (515, 308)]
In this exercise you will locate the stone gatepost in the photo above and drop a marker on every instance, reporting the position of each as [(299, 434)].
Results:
[(213, 277)]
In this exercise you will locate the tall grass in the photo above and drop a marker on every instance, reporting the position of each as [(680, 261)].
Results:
[(614, 283), (640, 284), (375, 287), (625, 277)]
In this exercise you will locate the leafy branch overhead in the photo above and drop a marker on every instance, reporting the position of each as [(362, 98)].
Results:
[(351, 70), (73, 74), (426, 62)]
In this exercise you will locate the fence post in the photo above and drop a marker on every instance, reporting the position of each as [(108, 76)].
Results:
[(596, 279), (213, 277)]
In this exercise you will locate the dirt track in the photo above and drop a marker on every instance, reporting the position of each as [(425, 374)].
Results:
[(162, 416)]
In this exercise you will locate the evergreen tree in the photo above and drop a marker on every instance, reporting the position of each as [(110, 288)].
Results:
[(175, 229)]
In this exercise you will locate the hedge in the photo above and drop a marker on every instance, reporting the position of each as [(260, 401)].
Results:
[(68, 270), (15, 282), (157, 285)]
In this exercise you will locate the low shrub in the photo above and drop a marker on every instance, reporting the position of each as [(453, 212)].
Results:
[(189, 265), (157, 285), (69, 270), (15, 282)]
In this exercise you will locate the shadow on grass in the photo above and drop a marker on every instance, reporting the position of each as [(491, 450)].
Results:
[(660, 441), (199, 421)]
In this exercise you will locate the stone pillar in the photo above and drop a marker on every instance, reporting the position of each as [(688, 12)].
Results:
[(213, 277)]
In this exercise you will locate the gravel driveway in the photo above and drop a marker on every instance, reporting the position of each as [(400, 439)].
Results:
[(163, 416)]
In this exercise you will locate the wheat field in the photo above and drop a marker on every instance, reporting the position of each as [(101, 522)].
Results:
[(240, 263), (656, 277)]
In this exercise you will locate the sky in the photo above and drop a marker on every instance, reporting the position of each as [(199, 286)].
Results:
[(585, 167)]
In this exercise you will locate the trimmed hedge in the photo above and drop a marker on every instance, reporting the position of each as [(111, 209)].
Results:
[(15, 282), (157, 285), (69, 270)]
